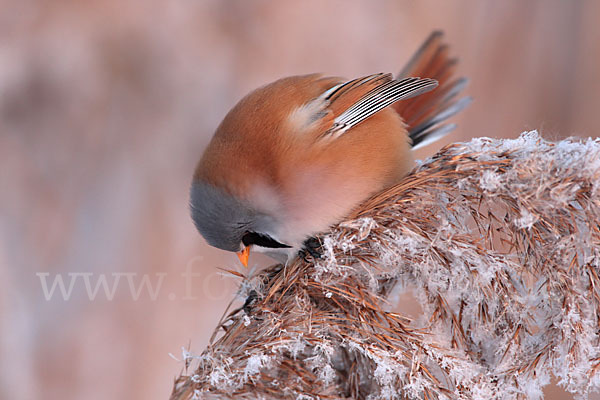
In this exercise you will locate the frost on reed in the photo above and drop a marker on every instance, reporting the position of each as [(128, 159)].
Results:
[(499, 241)]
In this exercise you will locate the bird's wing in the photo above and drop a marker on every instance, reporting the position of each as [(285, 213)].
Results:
[(424, 114), (352, 102)]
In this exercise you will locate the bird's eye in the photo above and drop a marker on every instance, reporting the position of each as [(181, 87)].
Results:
[(262, 240)]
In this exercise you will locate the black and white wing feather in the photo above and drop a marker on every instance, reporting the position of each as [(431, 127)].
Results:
[(384, 93)]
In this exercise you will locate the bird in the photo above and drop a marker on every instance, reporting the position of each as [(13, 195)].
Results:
[(296, 156)]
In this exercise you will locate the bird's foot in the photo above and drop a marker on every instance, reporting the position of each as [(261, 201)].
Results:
[(250, 300), (313, 247)]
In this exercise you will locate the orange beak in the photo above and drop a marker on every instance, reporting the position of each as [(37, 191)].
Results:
[(243, 256)]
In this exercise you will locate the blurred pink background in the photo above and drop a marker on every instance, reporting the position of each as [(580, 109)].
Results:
[(105, 107)]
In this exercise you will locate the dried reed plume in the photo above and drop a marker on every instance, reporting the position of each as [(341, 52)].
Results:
[(499, 240)]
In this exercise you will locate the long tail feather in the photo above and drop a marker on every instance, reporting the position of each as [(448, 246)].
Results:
[(425, 114)]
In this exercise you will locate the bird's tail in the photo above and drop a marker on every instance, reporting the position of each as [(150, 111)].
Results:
[(426, 113)]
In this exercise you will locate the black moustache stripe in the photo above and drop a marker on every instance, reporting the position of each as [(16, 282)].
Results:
[(262, 241)]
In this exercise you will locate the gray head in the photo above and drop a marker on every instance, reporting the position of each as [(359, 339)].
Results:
[(228, 223)]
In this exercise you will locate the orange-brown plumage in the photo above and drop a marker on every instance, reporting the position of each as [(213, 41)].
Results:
[(300, 153)]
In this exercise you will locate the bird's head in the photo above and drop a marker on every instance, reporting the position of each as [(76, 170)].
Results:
[(232, 224)]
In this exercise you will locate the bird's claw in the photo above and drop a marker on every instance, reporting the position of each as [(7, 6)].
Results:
[(313, 247), (250, 300)]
